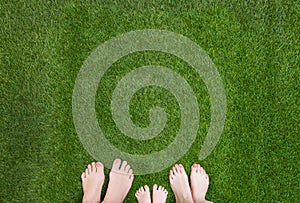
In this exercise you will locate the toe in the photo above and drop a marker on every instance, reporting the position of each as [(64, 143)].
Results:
[(146, 188), (127, 168), (201, 170), (90, 168), (83, 176), (130, 172), (123, 166), (93, 167), (99, 166), (174, 169), (181, 168), (198, 168), (86, 172), (154, 187), (171, 175), (116, 164), (131, 175), (207, 177), (177, 168)]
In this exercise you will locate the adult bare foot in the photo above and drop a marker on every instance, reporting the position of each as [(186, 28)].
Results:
[(159, 194), (143, 194), (92, 182), (120, 181), (199, 183), (180, 184)]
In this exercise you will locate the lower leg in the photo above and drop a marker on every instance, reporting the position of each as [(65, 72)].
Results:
[(92, 182), (120, 181), (199, 183), (180, 185), (143, 195), (159, 194)]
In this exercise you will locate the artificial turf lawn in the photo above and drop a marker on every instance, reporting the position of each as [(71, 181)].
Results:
[(254, 44)]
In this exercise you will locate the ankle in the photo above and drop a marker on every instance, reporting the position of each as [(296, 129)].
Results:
[(110, 198), (185, 200), (204, 201), (89, 200)]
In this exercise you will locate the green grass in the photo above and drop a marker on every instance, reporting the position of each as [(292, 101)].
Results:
[(254, 44)]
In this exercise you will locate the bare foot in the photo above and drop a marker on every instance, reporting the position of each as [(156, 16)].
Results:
[(159, 194), (120, 181), (199, 183), (143, 194), (180, 184), (92, 182)]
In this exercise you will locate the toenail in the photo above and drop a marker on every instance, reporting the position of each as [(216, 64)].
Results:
[(195, 165), (180, 165)]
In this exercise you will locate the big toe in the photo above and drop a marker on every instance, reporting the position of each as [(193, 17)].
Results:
[(146, 188), (99, 166), (180, 168), (194, 168), (116, 164)]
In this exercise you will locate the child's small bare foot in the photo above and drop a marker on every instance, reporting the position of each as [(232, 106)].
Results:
[(159, 194), (180, 184), (143, 194), (199, 183), (92, 182), (120, 181)]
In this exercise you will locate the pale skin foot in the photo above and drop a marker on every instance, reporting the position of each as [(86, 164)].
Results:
[(180, 184), (92, 182), (143, 195), (199, 183), (159, 194), (120, 181)]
